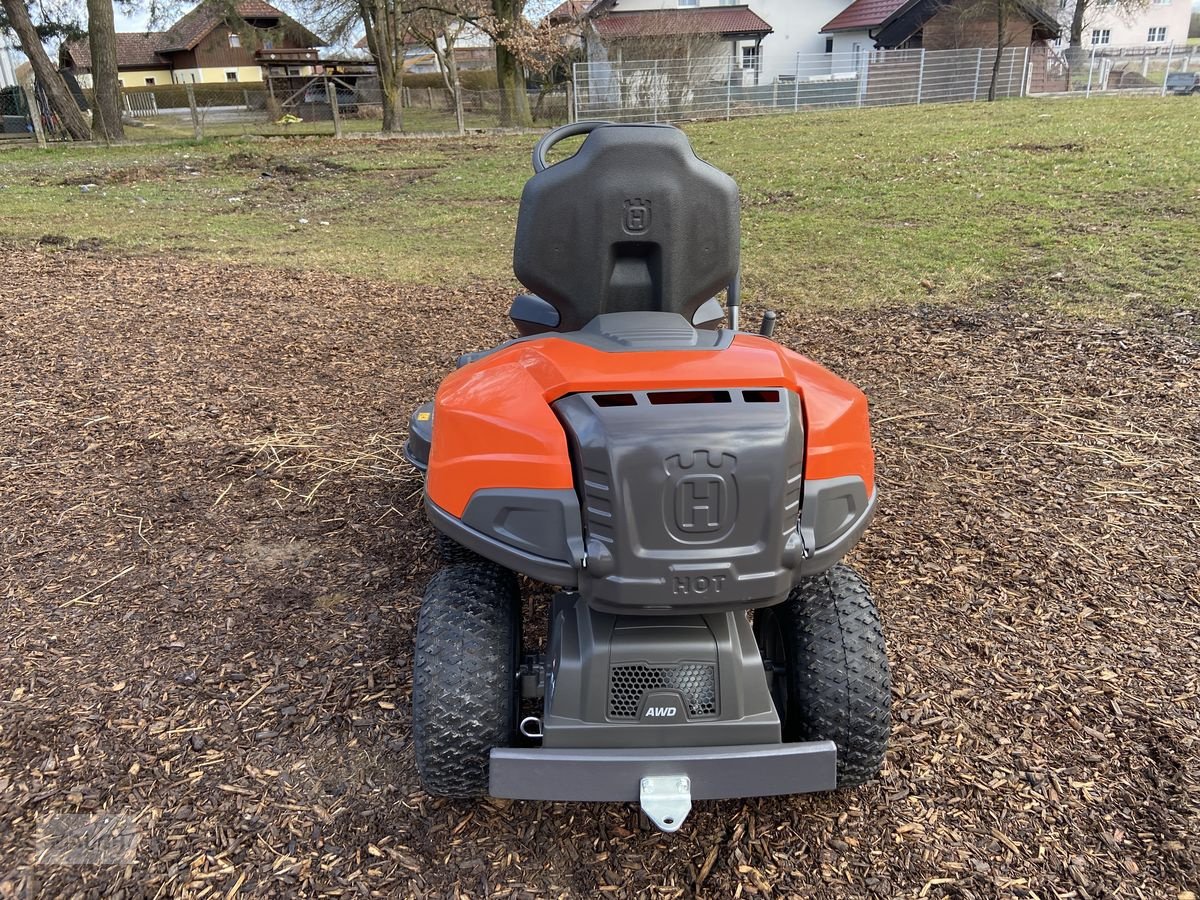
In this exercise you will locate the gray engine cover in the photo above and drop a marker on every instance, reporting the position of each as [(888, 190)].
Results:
[(690, 498)]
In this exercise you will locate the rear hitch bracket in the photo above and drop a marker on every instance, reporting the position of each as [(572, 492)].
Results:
[(666, 800)]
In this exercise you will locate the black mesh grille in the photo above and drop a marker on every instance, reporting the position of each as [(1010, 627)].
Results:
[(697, 682)]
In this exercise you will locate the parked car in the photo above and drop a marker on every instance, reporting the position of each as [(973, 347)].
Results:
[(316, 94), (1183, 83)]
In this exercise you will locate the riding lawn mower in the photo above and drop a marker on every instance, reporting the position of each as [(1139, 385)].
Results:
[(688, 488)]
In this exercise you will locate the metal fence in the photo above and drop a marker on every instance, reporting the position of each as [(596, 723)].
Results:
[(312, 105), (722, 87)]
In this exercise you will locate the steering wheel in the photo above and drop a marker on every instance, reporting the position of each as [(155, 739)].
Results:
[(560, 134)]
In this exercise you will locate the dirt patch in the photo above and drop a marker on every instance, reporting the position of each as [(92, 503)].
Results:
[(295, 168), (217, 646), (1065, 147)]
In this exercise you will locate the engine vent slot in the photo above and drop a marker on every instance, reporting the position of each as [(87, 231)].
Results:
[(666, 398), (629, 683), (760, 396), (607, 400)]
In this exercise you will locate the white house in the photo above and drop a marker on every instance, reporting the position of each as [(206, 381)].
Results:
[(1157, 23), (775, 38)]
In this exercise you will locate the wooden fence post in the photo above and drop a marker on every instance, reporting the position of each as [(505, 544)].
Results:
[(197, 125), (331, 93), (35, 114)]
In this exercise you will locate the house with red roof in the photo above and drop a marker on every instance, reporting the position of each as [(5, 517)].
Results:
[(935, 25), (786, 39), (214, 42)]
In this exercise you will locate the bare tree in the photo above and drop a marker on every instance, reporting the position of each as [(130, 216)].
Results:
[(106, 89), (520, 44), (62, 104), (1004, 9), (968, 23), (385, 24), (440, 32)]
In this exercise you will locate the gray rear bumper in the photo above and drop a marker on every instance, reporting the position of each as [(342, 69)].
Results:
[(613, 775)]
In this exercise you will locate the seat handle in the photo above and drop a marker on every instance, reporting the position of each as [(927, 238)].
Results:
[(560, 134)]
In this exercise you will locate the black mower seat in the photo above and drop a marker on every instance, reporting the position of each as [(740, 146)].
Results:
[(634, 221)]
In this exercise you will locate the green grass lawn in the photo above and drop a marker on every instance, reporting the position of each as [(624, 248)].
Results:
[(1079, 204)]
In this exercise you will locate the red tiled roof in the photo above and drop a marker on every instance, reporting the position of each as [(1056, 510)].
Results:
[(568, 11), (195, 25), (655, 23), (147, 49), (864, 14), (134, 50)]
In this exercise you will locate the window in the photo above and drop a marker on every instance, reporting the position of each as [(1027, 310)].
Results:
[(231, 76), (234, 40), (689, 2), (149, 81), (1162, 2), (1058, 41), (1157, 35), (828, 45), (750, 58), (1100, 36)]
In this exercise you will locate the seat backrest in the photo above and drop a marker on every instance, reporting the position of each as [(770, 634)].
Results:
[(634, 221)]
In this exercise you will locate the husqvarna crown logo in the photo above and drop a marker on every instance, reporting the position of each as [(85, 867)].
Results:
[(637, 215), (700, 496)]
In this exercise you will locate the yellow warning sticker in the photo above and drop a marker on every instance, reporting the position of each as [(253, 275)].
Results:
[(424, 417)]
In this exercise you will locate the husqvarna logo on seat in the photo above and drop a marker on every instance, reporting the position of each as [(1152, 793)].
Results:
[(700, 496), (637, 215)]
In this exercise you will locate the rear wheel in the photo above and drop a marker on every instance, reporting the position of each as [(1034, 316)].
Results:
[(827, 664), (464, 678)]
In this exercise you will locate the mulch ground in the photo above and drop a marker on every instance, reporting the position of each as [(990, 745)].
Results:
[(212, 558)]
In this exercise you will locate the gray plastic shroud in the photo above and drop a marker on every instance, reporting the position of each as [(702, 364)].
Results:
[(834, 515), (614, 775), (555, 557), (629, 332), (586, 645), (533, 316), (420, 436), (690, 499), (561, 556)]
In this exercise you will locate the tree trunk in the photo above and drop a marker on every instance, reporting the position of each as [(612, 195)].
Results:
[(514, 100), (391, 87), (1075, 52), (1077, 22), (106, 90), (383, 40), (510, 76), (62, 104), (1001, 41), (449, 66)]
